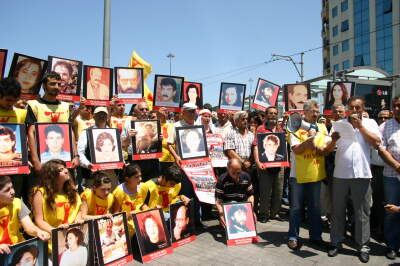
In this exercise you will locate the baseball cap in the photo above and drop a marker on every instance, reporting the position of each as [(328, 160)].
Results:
[(100, 109), (189, 106)]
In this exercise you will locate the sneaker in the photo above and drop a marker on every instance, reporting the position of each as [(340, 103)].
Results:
[(390, 254), (363, 256), (333, 251), (293, 244)]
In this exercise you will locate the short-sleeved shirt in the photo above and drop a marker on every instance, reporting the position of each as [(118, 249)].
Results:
[(391, 142), (240, 144), (228, 190), (24, 211), (172, 132)]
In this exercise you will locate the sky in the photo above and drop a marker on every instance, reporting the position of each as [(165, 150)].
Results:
[(209, 38)]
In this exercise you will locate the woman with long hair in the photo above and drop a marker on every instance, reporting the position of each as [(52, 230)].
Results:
[(338, 95), (76, 253), (192, 95), (28, 73), (153, 234)]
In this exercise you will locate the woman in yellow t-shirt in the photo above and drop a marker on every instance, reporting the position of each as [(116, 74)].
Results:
[(97, 201)]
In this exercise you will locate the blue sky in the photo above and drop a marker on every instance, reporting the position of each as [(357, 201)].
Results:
[(208, 37)]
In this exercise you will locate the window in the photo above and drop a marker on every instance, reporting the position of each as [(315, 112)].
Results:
[(344, 5), (334, 11), (387, 6), (346, 64), (359, 60), (345, 45), (336, 68), (335, 30), (335, 50), (345, 25)]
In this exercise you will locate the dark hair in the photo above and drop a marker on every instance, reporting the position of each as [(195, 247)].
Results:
[(238, 90), (21, 251), (131, 170), (101, 138), (4, 180), (78, 233), (55, 128), (4, 131), (355, 98), (50, 75), (345, 94), (270, 107), (65, 64), (192, 86), (161, 233), (172, 173), (10, 87), (100, 178), (236, 207), (168, 81), (208, 106), (25, 62), (255, 116)]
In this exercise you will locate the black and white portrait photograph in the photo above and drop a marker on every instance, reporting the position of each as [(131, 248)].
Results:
[(191, 142)]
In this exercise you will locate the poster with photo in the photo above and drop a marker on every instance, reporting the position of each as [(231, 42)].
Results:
[(167, 92), (73, 245), (112, 240), (215, 144), (337, 93), (231, 97), (193, 93), (295, 96), (191, 141), (54, 141), (28, 71), (182, 224), (14, 151), (105, 148), (240, 223), (97, 85), (272, 149), (152, 234), (31, 252), (266, 95), (146, 144), (377, 97), (129, 84), (71, 77), (3, 60)]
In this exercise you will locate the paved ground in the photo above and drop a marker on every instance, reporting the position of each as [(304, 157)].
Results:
[(210, 249)]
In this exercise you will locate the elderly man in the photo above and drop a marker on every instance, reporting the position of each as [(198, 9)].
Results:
[(352, 177), (307, 170)]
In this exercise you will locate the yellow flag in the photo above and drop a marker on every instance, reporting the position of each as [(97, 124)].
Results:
[(138, 62)]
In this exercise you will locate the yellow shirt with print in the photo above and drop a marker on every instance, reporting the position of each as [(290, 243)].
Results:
[(13, 116), (9, 223), (96, 205), (80, 125), (166, 155), (161, 195), (50, 113)]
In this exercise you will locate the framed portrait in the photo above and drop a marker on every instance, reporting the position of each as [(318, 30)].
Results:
[(29, 72), (167, 92), (377, 97), (97, 85), (73, 245), (191, 141), (266, 95), (71, 77), (295, 96), (105, 148), (272, 149), (181, 225), (146, 143), (129, 84), (152, 235), (31, 252), (231, 97), (337, 93), (54, 141), (3, 60), (112, 240), (193, 93), (14, 155), (240, 223)]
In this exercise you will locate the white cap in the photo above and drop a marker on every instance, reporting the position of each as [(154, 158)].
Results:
[(189, 106), (100, 109)]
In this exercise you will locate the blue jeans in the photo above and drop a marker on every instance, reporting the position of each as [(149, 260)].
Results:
[(391, 186), (298, 194)]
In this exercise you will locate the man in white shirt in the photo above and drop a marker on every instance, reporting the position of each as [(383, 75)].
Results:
[(352, 178)]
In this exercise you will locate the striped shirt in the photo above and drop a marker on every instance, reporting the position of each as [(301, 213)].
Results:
[(240, 144), (228, 190), (391, 142)]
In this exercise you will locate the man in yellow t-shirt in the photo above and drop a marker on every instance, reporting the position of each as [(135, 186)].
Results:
[(167, 159), (308, 149)]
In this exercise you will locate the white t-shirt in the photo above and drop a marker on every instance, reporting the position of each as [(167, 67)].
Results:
[(78, 257)]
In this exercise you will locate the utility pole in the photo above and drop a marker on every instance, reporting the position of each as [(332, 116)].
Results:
[(106, 33), (250, 94), (170, 56), (290, 59)]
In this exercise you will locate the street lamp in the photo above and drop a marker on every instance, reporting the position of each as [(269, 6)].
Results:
[(170, 56), (290, 59), (250, 94)]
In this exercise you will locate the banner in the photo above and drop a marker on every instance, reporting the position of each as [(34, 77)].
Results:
[(201, 174), (215, 144)]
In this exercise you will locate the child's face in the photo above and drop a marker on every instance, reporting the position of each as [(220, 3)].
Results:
[(103, 190), (7, 194), (134, 180)]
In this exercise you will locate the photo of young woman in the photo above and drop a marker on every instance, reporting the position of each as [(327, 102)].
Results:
[(192, 93)]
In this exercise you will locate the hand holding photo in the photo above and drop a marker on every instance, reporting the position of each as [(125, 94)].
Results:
[(147, 138), (191, 142), (272, 149), (105, 148)]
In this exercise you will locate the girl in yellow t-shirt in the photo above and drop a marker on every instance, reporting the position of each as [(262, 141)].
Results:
[(97, 201)]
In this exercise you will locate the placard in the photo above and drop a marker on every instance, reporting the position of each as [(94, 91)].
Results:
[(182, 223), (193, 93), (167, 92), (3, 60), (377, 98), (215, 144), (13, 155), (73, 245), (129, 84), (97, 85), (337, 93), (112, 240), (295, 96), (191, 141), (231, 97), (266, 95), (146, 144), (30, 252), (272, 149), (28, 71)]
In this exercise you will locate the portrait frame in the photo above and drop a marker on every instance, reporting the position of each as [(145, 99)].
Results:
[(286, 89), (175, 106), (199, 87), (215, 147), (281, 157), (129, 98), (15, 65), (41, 146), (155, 148), (99, 230), (238, 105), (21, 166), (60, 234), (183, 147), (148, 250), (76, 76), (258, 102), (3, 61), (377, 97), (347, 85), (248, 233), (41, 247), (99, 163), (189, 233), (106, 81)]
